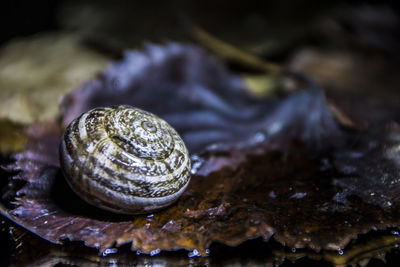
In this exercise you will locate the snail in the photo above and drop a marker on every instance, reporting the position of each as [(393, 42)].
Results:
[(125, 160)]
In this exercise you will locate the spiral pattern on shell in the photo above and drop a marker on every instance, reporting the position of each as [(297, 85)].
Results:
[(124, 160)]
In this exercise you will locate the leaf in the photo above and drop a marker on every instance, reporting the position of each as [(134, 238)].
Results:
[(278, 168)]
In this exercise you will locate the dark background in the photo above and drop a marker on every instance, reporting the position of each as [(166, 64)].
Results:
[(135, 23)]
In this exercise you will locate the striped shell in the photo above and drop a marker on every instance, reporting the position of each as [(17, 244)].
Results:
[(124, 160)]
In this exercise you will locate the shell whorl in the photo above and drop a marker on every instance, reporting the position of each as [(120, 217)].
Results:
[(124, 159)]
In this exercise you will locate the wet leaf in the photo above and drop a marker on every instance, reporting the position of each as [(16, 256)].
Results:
[(281, 168), (203, 101), (253, 252)]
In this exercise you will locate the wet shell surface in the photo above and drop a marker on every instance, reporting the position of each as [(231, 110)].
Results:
[(124, 160)]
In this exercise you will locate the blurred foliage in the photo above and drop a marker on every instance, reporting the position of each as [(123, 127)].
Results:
[(11, 137), (36, 71)]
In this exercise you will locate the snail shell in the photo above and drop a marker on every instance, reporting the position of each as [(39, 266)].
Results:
[(124, 160)]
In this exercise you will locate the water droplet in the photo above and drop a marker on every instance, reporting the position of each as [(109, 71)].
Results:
[(113, 262), (155, 252), (194, 253), (394, 232), (258, 138), (389, 204), (298, 195), (340, 252), (294, 250), (109, 251), (272, 194), (274, 128), (347, 224), (372, 193), (197, 162)]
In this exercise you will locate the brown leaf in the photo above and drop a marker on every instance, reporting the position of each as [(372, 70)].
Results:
[(290, 172)]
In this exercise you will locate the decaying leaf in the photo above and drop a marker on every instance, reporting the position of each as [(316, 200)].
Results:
[(251, 253), (281, 168)]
